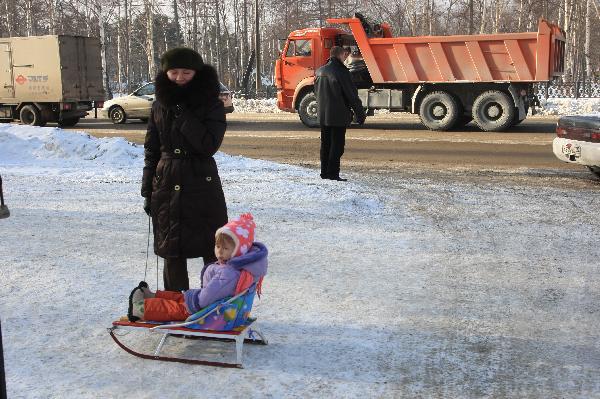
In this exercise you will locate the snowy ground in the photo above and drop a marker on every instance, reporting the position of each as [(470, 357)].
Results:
[(401, 287), (569, 106)]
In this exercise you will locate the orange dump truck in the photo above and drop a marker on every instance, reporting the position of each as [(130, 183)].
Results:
[(447, 80)]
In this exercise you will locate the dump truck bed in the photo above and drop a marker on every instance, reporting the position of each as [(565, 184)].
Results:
[(512, 57)]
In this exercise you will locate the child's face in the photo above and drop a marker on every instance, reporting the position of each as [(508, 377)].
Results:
[(224, 250)]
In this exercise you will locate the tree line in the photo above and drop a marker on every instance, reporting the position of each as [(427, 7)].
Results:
[(134, 33)]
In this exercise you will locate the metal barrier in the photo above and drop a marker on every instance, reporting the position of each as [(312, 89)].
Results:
[(581, 89)]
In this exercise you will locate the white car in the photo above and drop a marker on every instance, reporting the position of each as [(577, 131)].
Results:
[(138, 104), (578, 141)]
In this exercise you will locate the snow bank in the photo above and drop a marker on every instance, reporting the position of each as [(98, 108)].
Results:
[(569, 106), (25, 145), (55, 151), (260, 105)]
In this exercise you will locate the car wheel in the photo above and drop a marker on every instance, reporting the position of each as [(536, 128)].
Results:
[(439, 111), (493, 111), (30, 115), (308, 109), (69, 122), (117, 115)]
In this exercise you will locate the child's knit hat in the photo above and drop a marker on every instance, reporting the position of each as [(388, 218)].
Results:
[(241, 231)]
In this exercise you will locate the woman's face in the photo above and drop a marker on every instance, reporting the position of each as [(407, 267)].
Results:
[(180, 76)]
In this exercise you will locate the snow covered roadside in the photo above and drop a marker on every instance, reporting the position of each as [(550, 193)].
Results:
[(569, 106), (259, 105), (551, 106), (406, 287)]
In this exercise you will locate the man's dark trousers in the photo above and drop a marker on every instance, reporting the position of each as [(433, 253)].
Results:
[(333, 140)]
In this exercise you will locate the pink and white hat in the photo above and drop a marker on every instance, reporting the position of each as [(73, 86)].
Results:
[(241, 231)]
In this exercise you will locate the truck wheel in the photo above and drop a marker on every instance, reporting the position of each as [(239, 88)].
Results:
[(439, 111), (516, 121), (117, 115), (493, 111), (30, 115), (595, 170), (308, 110), (69, 122)]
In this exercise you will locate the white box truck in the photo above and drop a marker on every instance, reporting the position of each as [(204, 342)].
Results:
[(49, 78)]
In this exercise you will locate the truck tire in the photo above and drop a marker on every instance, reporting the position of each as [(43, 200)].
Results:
[(493, 111), (439, 111), (308, 110), (32, 116), (117, 115), (69, 122), (595, 170)]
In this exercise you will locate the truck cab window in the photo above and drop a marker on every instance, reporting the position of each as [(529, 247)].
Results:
[(290, 49), (299, 48), (303, 48)]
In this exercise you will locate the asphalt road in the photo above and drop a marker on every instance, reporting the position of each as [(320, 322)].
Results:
[(386, 143)]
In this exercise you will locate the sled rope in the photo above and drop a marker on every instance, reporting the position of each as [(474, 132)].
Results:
[(147, 250), (148, 255)]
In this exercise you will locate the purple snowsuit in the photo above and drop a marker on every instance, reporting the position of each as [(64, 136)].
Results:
[(219, 281)]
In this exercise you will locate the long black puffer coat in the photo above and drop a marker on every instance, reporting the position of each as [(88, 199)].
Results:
[(185, 129)]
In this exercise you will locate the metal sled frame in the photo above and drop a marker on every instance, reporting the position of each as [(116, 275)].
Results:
[(243, 334)]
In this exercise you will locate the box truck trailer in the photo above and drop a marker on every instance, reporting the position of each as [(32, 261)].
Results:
[(49, 78)]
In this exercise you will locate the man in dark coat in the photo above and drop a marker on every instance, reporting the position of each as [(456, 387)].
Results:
[(180, 182), (336, 95)]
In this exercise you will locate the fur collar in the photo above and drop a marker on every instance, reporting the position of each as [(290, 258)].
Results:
[(203, 89)]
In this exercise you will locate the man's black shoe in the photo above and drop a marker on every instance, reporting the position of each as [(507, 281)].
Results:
[(337, 179)]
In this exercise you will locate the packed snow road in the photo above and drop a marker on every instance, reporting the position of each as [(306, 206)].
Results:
[(387, 286)]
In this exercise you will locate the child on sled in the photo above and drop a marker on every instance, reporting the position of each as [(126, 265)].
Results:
[(235, 250)]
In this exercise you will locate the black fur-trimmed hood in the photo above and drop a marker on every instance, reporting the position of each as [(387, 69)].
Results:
[(203, 89)]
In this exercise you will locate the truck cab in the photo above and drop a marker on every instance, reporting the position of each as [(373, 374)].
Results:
[(305, 50)]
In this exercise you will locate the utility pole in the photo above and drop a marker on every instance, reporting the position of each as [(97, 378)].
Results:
[(257, 45)]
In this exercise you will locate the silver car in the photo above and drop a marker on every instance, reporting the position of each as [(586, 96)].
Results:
[(137, 105)]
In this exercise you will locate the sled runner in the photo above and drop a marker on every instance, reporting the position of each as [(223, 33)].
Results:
[(225, 320)]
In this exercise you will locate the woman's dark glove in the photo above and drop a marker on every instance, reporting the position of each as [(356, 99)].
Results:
[(147, 205)]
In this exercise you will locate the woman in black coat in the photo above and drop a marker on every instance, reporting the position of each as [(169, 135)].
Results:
[(180, 182)]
